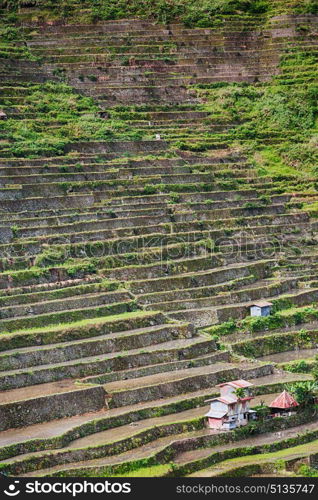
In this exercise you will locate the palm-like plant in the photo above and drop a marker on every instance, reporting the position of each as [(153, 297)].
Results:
[(240, 393), (304, 392)]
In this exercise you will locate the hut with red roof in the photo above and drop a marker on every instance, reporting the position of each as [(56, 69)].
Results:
[(230, 410), (284, 405)]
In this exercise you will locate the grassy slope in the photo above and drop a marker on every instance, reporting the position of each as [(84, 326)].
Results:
[(201, 13), (279, 130)]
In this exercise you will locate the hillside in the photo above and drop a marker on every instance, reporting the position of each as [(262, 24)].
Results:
[(158, 174)]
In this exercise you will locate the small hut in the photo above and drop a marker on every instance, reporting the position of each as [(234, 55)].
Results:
[(261, 308), (283, 406), (3, 116)]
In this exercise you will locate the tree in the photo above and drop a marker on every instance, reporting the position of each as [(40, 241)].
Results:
[(240, 393), (304, 392), (262, 410)]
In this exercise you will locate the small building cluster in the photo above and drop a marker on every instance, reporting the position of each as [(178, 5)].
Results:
[(232, 408)]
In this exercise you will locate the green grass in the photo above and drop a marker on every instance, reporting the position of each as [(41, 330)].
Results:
[(312, 208), (300, 450), (85, 322), (269, 162), (154, 471), (298, 365), (76, 117)]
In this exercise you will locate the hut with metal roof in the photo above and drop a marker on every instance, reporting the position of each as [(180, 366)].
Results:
[(283, 405), (261, 308)]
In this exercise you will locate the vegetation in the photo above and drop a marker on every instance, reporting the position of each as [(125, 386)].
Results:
[(240, 392), (201, 13), (298, 366), (306, 471), (277, 457), (271, 110), (159, 170), (154, 471), (75, 115), (304, 392), (280, 319)]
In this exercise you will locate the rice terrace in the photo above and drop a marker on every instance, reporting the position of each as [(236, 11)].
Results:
[(158, 238)]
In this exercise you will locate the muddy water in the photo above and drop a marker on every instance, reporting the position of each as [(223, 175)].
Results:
[(283, 357)]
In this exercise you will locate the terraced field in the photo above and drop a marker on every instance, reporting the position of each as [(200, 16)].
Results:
[(136, 230)]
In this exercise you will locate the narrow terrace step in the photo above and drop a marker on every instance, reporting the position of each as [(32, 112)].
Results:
[(39, 294), (81, 330), (80, 227), (256, 291), (198, 360), (86, 364), (177, 228), (6, 293), (193, 293), (112, 221), (36, 355), (64, 304), (89, 161), (163, 268), (189, 233), (28, 406), (202, 317), (163, 385), (71, 428), (65, 316), (73, 201), (100, 172), (203, 278), (45, 221)]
